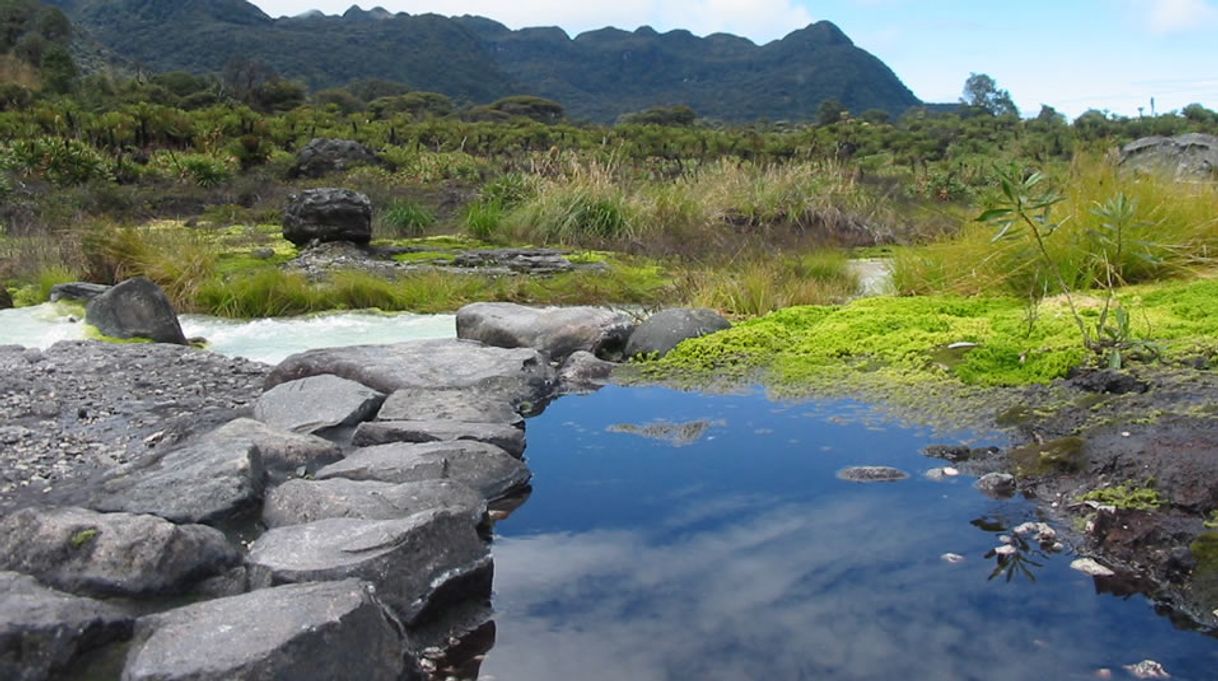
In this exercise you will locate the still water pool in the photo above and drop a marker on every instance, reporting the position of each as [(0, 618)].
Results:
[(732, 551)]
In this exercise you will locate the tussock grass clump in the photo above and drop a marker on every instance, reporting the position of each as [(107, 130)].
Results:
[(763, 285), (181, 261), (1174, 231), (406, 219)]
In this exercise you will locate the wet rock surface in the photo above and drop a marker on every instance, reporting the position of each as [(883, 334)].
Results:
[(306, 632), (584, 372), (317, 403), (486, 468), (297, 502), (664, 330), (110, 554), (557, 331), (328, 214), (136, 308), (42, 630), (506, 437)]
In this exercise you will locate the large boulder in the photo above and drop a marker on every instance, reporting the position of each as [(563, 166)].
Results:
[(419, 564), (517, 377), (327, 215), (556, 331), (43, 631), (305, 632), (6, 299), (1189, 156), (322, 156), (508, 438), (664, 330), (136, 308), (303, 501), (284, 454), (109, 554), (465, 405), (317, 404), (487, 469), (207, 479)]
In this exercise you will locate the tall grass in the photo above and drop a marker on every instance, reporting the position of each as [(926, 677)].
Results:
[(759, 285), (181, 261), (1174, 232)]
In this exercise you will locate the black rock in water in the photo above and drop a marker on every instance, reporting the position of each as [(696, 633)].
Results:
[(136, 308)]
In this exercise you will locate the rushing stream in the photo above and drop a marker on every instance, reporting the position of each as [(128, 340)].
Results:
[(675, 536)]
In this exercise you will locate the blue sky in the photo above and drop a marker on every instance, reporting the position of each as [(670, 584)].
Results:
[(1071, 54)]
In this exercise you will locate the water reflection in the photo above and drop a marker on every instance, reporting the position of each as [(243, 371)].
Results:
[(726, 560)]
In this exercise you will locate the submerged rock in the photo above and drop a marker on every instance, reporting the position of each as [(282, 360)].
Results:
[(467, 406), (666, 329), (327, 214), (487, 469), (316, 404), (584, 372), (42, 630), (556, 331), (305, 632), (872, 474), (508, 438), (999, 485), (418, 564), (110, 554), (518, 377), (303, 501), (136, 308)]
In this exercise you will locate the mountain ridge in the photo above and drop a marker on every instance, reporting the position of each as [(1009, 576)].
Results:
[(596, 75)]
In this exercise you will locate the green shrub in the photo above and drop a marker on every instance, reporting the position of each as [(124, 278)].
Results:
[(483, 220)]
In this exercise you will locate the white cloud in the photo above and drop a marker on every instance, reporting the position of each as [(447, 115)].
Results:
[(1175, 16), (761, 20)]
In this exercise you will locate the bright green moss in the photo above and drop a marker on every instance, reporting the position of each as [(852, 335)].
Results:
[(1127, 497)]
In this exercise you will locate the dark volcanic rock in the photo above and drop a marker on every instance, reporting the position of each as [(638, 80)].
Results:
[(518, 377), (328, 215), (872, 474), (1177, 452), (556, 331), (316, 404), (77, 290), (1106, 381), (42, 631), (208, 479), (110, 553), (508, 438), (997, 485), (284, 455), (305, 632), (1188, 156), (486, 468), (664, 330), (6, 299), (468, 406), (303, 501), (322, 156), (136, 308), (419, 563)]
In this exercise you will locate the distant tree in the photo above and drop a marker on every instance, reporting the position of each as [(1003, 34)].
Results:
[(370, 89), (537, 108), (1048, 115), (673, 116), (1199, 114), (58, 70), (982, 96), (876, 116), (414, 104), (340, 98), (829, 112)]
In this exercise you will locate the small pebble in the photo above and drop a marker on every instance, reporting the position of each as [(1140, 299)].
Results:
[(1006, 550), (1089, 567), (1147, 669), (952, 558)]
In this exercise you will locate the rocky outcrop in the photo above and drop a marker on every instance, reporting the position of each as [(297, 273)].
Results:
[(557, 331), (303, 501), (208, 479), (508, 438), (1191, 156), (466, 406), (317, 404), (80, 291), (487, 469), (419, 563), (136, 308), (305, 632), (43, 631), (664, 330), (111, 554), (516, 377), (320, 215), (323, 156)]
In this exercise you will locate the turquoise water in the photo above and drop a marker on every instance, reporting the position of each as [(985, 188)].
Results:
[(741, 555)]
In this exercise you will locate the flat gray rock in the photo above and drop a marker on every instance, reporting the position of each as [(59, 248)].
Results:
[(297, 502), (111, 554), (317, 403), (520, 376), (82, 291), (305, 632), (207, 479), (556, 331), (508, 438), (469, 406), (284, 455), (42, 631), (487, 469), (664, 330), (584, 372), (418, 564), (872, 474)]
